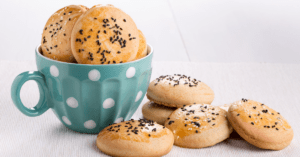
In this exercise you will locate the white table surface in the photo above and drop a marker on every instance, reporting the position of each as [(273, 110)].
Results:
[(179, 30), (276, 85)]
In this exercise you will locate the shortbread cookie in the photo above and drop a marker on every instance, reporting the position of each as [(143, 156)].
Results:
[(198, 126), (178, 90), (260, 125), (104, 35), (142, 52), (57, 33), (135, 138), (157, 113)]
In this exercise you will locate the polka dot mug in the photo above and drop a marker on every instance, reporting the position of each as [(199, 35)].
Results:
[(86, 98)]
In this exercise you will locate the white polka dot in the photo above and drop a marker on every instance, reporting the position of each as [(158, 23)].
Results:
[(119, 120), (138, 96), (90, 124), (54, 71), (94, 75), (130, 72), (108, 103), (66, 120), (72, 102)]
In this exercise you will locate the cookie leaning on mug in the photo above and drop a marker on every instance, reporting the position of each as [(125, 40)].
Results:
[(135, 138), (57, 33), (104, 35), (157, 113), (260, 125), (198, 126), (178, 90)]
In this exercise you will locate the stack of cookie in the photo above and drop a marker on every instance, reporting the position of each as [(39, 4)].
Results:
[(182, 104), (102, 34), (169, 92)]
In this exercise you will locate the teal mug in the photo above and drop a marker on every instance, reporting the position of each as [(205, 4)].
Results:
[(86, 98)]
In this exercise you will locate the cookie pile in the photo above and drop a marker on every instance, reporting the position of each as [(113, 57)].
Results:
[(186, 111), (102, 34), (169, 92)]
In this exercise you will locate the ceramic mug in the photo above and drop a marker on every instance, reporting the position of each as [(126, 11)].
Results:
[(86, 98)]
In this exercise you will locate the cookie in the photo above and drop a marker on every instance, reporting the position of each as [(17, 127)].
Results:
[(142, 51), (198, 126), (260, 125), (104, 35), (57, 33), (178, 90), (135, 138), (157, 113)]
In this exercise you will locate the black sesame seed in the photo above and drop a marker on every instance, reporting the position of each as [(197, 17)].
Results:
[(252, 123), (238, 114), (170, 122), (265, 111), (124, 20)]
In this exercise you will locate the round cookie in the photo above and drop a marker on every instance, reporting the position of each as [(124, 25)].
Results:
[(260, 125), (178, 90), (57, 33), (157, 113), (198, 126), (135, 138), (142, 51), (104, 35)]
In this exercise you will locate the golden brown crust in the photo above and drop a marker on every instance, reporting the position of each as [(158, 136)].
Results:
[(260, 125), (157, 113), (179, 90), (104, 35), (142, 51), (135, 138), (198, 126), (57, 33)]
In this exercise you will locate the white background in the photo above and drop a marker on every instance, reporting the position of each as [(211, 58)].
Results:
[(196, 31)]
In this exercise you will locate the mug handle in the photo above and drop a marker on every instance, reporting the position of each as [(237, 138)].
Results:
[(39, 78)]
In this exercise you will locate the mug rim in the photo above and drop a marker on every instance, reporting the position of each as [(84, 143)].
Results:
[(78, 64)]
